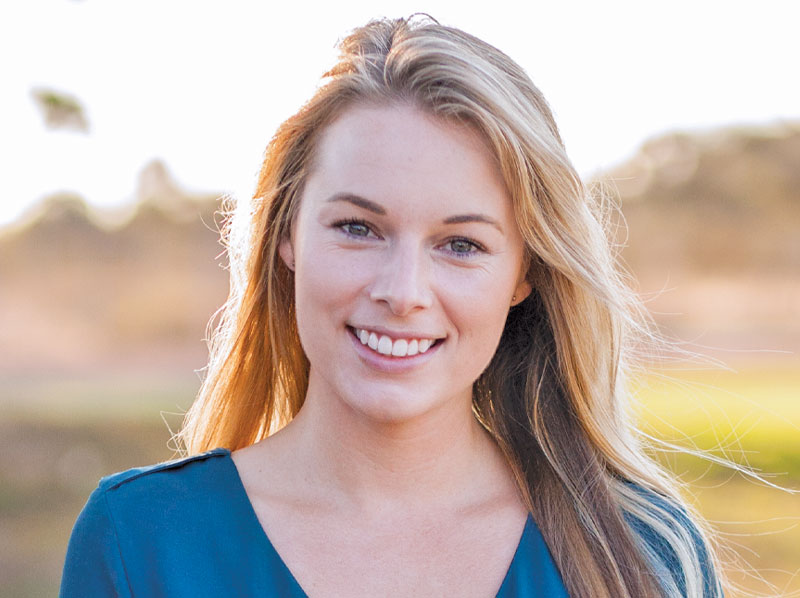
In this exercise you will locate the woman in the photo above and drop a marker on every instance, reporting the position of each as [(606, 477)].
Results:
[(420, 368)]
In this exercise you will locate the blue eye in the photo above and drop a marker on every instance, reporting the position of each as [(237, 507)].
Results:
[(462, 246), (354, 228)]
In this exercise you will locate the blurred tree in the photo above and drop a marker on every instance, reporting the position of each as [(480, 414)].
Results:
[(60, 110)]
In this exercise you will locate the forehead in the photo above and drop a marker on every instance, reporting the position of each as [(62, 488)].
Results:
[(398, 154)]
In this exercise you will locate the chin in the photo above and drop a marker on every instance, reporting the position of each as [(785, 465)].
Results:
[(392, 408)]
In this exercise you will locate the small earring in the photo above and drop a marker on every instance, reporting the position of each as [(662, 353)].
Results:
[(514, 298)]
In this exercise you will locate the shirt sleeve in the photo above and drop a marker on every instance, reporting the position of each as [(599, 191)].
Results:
[(94, 565)]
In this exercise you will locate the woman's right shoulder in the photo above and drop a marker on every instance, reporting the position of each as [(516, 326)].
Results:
[(145, 511), (180, 471), (166, 492), (162, 493)]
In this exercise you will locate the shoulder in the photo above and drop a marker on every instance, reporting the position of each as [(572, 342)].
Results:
[(179, 502), (125, 513), (168, 495), (672, 541), (179, 470), (145, 531), (161, 490)]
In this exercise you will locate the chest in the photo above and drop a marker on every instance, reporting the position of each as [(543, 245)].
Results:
[(465, 555)]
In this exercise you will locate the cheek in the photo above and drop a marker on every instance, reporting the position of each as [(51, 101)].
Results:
[(326, 287), (477, 343), (481, 294), (479, 311)]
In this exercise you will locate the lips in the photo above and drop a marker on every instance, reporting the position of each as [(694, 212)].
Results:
[(396, 347)]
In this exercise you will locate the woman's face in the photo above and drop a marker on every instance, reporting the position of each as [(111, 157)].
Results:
[(406, 257)]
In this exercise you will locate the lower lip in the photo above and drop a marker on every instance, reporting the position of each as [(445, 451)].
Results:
[(390, 363)]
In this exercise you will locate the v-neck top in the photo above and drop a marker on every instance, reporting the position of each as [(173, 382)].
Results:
[(186, 528)]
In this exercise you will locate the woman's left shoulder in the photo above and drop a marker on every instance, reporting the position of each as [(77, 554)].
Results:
[(672, 540)]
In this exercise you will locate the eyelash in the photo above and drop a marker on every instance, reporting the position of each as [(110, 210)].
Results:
[(462, 255)]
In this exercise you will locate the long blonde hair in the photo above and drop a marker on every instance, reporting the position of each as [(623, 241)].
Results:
[(553, 396)]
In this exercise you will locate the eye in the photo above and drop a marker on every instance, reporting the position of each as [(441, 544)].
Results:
[(461, 247), (357, 229), (354, 228)]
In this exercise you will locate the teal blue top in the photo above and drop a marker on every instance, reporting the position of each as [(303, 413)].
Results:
[(187, 528)]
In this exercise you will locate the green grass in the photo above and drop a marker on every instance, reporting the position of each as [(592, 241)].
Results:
[(750, 419)]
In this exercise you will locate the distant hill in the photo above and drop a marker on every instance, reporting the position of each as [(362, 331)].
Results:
[(726, 201), (713, 236), (76, 295)]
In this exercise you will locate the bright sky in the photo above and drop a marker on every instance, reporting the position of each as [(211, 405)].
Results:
[(202, 85)]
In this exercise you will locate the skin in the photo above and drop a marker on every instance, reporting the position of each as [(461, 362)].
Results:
[(385, 484)]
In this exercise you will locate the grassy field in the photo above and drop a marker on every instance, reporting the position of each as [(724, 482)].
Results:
[(52, 452), (746, 481)]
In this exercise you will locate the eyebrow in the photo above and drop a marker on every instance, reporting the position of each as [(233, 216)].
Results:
[(376, 208), (473, 218), (359, 201)]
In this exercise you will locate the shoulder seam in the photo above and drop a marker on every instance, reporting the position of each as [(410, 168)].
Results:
[(135, 474)]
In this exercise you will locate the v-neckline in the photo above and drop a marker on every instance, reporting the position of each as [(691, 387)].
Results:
[(270, 548)]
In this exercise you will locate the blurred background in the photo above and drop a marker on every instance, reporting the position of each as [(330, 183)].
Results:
[(122, 124)]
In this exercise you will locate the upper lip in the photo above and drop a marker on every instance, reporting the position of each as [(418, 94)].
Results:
[(397, 334)]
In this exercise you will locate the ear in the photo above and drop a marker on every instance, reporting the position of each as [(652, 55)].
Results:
[(521, 292), (523, 288), (286, 251), (524, 282)]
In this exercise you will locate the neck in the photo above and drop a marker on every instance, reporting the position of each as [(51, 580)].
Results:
[(433, 460)]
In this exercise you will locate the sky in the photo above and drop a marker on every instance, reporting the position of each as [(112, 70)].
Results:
[(202, 85)]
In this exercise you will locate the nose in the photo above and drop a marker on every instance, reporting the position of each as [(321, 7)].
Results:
[(402, 280)]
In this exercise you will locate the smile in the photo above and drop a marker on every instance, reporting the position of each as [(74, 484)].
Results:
[(398, 347)]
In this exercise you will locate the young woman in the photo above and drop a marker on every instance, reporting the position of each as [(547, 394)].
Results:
[(417, 386)]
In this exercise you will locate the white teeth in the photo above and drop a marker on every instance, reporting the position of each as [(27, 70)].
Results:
[(385, 345), (400, 348)]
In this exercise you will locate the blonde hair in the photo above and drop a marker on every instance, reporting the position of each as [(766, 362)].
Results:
[(554, 395)]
